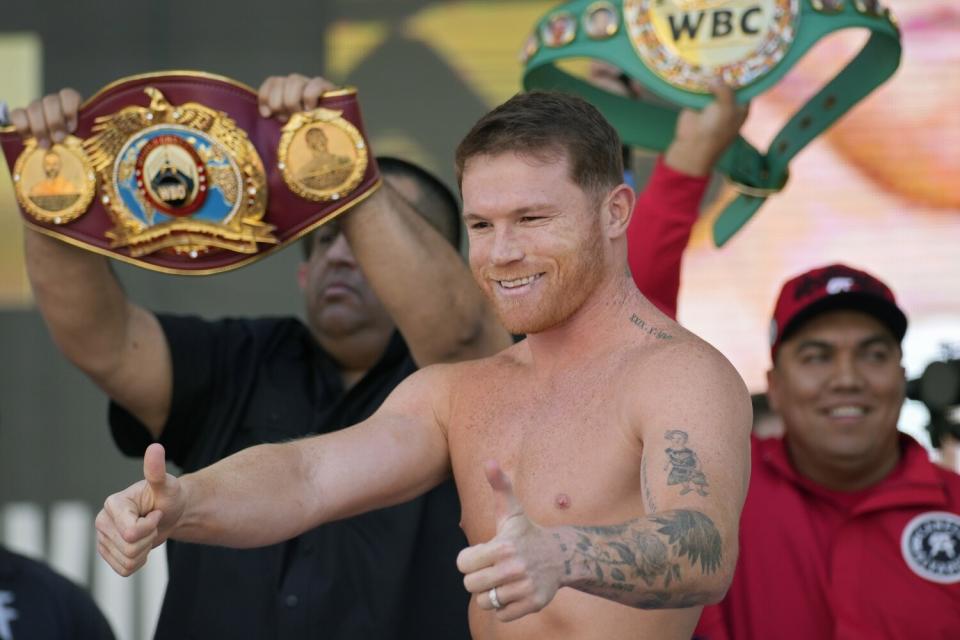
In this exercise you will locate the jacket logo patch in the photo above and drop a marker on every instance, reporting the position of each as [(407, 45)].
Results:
[(931, 546)]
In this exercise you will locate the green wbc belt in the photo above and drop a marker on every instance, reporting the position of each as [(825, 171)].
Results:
[(675, 47)]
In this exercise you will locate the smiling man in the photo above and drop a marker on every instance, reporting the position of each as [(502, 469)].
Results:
[(558, 444), (845, 529)]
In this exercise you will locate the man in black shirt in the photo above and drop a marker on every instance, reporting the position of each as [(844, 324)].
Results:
[(208, 389)]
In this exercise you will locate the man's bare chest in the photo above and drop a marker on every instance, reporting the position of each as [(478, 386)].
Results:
[(566, 447)]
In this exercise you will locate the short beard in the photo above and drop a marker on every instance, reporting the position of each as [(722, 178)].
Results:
[(567, 295)]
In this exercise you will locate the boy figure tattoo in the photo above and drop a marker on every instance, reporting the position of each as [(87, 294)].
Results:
[(684, 465)]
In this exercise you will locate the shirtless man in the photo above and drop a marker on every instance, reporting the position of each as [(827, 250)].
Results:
[(576, 531)]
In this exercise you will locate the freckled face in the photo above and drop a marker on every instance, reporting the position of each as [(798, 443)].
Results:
[(536, 245)]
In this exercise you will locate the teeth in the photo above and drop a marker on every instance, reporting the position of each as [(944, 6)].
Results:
[(846, 412), (519, 282)]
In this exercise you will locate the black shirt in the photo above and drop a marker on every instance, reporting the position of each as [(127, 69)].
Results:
[(382, 575), (36, 602)]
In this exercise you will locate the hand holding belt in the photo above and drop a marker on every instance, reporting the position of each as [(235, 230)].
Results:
[(177, 172), (656, 43)]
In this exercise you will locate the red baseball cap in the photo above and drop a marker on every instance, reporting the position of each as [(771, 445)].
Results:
[(835, 286)]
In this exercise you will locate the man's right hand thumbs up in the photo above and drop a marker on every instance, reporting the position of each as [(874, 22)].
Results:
[(140, 517)]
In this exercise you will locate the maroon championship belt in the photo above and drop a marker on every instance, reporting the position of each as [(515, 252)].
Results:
[(178, 172)]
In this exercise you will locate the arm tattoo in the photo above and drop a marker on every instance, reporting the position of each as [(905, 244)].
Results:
[(692, 534), (684, 465), (656, 332), (613, 558)]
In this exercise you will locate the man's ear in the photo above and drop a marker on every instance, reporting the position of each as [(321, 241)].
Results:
[(617, 210)]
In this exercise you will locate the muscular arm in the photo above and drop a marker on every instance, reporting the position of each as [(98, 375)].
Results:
[(667, 560), (694, 471), (118, 344), (423, 282), (269, 493)]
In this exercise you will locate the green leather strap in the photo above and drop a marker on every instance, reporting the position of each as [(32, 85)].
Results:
[(647, 125)]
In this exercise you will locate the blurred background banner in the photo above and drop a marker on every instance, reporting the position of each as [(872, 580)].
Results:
[(880, 191)]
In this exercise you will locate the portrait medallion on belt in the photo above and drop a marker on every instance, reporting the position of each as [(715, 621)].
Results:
[(321, 155), (930, 544), (180, 178), (559, 30), (54, 185), (688, 42), (601, 20)]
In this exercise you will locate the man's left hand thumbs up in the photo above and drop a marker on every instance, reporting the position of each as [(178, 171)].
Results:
[(517, 572)]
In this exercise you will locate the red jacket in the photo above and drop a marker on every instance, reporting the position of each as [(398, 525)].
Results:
[(659, 231), (816, 564)]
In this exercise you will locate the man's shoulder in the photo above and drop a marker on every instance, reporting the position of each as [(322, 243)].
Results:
[(916, 462), (48, 603), (683, 373), (36, 574), (951, 480), (513, 356), (680, 356), (481, 370)]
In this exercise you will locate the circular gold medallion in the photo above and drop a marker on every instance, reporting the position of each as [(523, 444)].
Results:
[(54, 185), (601, 20), (689, 42), (558, 30), (321, 155)]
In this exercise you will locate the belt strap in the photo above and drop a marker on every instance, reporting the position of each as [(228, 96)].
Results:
[(754, 174)]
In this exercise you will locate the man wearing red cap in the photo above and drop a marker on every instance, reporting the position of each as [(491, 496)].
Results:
[(848, 531)]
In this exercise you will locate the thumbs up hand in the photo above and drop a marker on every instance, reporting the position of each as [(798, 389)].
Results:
[(519, 571), (140, 517)]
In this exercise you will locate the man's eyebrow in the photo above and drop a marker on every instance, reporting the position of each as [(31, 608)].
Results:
[(879, 339), (812, 343), (533, 208)]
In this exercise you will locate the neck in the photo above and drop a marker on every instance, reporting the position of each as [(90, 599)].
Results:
[(355, 353), (853, 474), (599, 323)]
